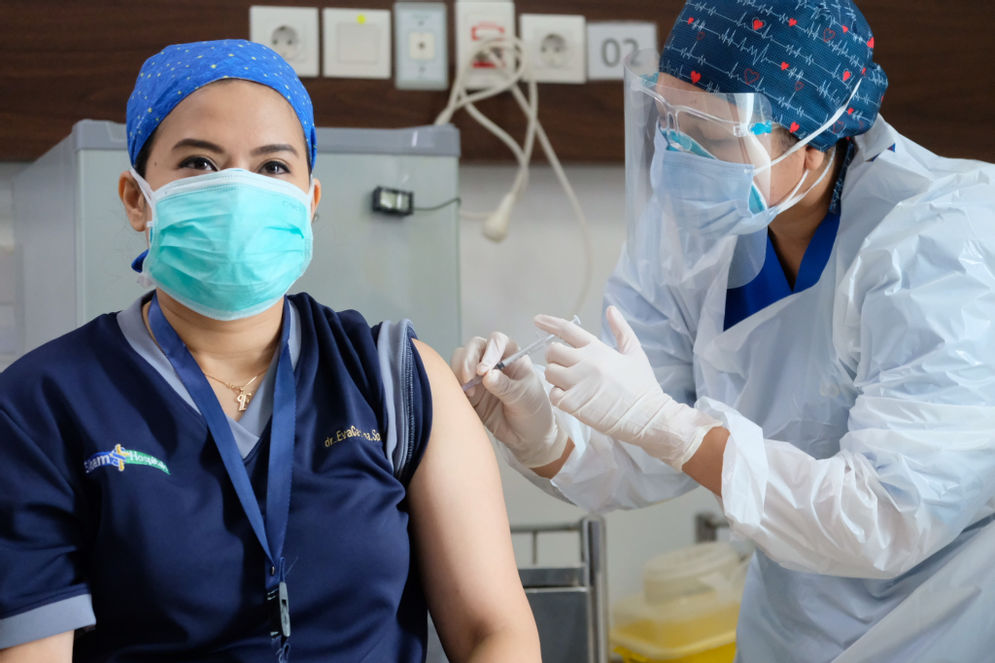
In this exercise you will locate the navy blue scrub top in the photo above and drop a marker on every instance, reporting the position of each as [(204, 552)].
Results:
[(113, 490), (771, 284)]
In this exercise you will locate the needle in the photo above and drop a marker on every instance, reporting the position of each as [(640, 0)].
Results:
[(512, 358)]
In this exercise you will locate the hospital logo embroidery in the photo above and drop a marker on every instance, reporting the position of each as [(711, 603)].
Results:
[(119, 457)]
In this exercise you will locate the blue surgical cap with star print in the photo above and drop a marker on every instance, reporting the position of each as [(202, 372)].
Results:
[(169, 76)]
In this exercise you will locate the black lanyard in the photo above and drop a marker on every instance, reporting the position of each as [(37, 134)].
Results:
[(272, 533)]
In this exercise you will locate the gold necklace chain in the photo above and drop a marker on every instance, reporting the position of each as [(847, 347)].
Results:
[(243, 396)]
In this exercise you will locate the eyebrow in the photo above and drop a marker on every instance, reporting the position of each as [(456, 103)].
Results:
[(276, 147), (208, 145), (196, 142)]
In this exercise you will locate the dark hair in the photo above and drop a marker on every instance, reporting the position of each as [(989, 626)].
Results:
[(143, 154), (788, 139), (785, 139)]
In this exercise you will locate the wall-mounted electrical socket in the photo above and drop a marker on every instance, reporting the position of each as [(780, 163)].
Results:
[(421, 51), (478, 21), (555, 46), (290, 31), (356, 43)]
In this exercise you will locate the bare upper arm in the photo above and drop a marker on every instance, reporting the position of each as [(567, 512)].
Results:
[(461, 528), (53, 649)]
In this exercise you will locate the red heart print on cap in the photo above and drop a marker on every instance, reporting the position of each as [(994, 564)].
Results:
[(846, 75), (828, 34), (695, 77), (792, 22), (845, 29), (799, 85), (870, 42), (757, 24), (751, 76), (784, 65), (691, 20), (794, 127)]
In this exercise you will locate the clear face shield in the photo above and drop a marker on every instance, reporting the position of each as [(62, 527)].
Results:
[(697, 171)]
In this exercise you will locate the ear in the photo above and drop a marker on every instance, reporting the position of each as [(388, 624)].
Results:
[(316, 198), (815, 159), (135, 205)]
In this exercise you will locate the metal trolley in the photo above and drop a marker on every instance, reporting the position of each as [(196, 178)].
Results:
[(570, 602)]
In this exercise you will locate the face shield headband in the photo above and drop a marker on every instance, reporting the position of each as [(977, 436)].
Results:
[(707, 155)]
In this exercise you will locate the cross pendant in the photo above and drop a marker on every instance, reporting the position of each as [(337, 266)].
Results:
[(243, 399)]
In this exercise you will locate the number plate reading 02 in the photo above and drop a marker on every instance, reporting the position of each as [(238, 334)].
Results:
[(610, 42)]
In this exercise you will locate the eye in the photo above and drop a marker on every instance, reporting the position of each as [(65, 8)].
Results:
[(273, 168), (198, 163)]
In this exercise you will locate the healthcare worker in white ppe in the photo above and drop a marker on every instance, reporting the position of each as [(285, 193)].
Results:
[(801, 320)]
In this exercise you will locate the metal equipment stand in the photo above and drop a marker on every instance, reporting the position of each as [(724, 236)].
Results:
[(570, 602)]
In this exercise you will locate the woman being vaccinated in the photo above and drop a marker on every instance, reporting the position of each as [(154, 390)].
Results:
[(222, 471)]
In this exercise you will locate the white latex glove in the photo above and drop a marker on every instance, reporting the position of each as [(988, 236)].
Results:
[(512, 404), (616, 392)]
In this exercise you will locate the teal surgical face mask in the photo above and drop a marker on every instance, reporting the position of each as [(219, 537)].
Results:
[(227, 245)]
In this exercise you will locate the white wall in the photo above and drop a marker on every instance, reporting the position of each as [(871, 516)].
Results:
[(538, 269), (7, 332)]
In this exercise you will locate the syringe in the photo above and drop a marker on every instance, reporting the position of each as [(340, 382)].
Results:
[(515, 356)]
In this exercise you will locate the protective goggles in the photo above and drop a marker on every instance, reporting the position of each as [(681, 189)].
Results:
[(733, 127)]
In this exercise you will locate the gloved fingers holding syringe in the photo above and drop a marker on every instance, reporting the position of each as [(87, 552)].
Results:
[(613, 390), (485, 355), (510, 397)]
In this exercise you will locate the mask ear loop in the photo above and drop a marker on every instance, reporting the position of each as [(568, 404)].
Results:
[(812, 136), (791, 199), (310, 197), (146, 190), (143, 186)]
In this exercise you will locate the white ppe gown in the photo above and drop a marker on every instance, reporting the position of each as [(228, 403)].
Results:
[(862, 416)]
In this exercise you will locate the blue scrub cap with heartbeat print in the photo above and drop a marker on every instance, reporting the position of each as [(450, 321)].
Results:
[(169, 76), (805, 56)]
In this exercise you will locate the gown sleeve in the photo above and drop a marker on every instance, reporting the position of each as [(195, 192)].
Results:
[(912, 324), (602, 473)]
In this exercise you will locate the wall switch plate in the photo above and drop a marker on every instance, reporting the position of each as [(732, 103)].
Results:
[(421, 51), (290, 31), (478, 21), (555, 47), (356, 43), (610, 42)]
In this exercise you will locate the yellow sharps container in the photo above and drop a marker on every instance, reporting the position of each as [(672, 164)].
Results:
[(688, 609)]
